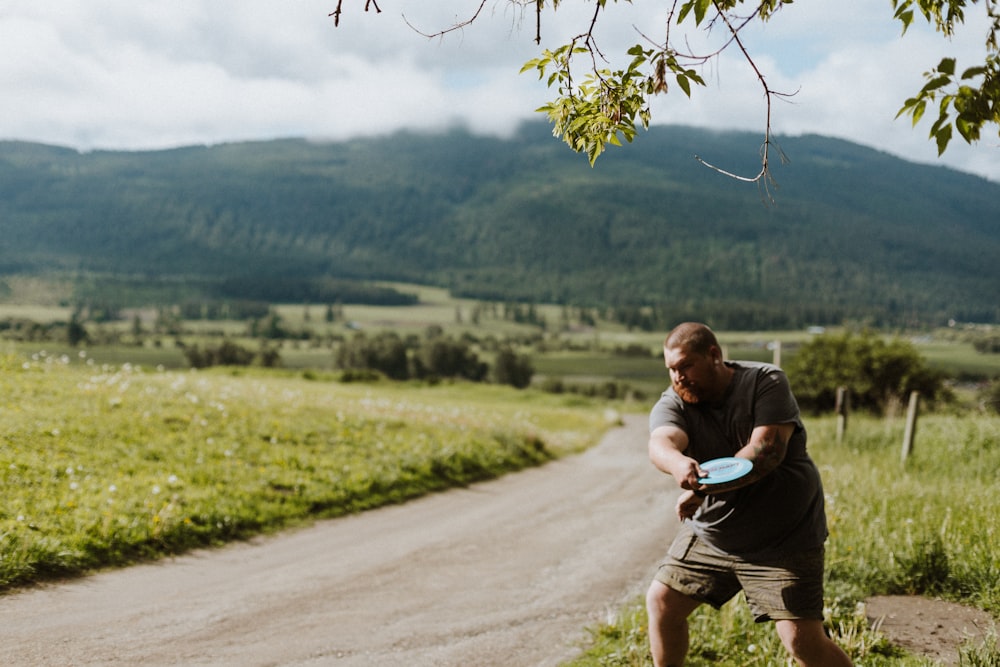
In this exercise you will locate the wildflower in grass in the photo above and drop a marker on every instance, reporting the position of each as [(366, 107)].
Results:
[(156, 489)]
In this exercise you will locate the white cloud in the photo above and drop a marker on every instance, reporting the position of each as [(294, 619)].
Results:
[(121, 74)]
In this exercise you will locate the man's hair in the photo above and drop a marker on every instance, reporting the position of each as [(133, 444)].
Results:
[(693, 337)]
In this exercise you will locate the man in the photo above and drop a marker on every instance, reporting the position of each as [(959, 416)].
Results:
[(763, 533)]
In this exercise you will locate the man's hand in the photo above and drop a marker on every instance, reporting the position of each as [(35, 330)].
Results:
[(687, 504), (686, 472), (666, 451)]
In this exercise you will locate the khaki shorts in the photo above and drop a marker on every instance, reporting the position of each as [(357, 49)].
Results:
[(785, 588)]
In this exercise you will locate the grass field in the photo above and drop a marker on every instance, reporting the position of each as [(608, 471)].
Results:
[(105, 465)]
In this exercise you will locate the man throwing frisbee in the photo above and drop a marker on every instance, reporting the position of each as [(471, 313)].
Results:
[(762, 532)]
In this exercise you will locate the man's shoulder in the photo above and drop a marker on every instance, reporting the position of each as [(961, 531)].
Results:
[(754, 369), (760, 366)]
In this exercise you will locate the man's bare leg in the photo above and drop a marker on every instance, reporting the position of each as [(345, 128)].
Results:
[(668, 626), (808, 644)]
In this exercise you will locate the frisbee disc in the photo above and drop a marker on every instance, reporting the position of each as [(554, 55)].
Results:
[(727, 469)]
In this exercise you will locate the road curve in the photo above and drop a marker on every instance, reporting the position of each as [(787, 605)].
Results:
[(507, 572)]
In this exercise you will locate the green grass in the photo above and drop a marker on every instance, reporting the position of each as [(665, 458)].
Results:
[(929, 527), (106, 465)]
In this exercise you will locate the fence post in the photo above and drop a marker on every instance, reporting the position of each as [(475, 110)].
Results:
[(842, 408), (911, 425), (776, 346)]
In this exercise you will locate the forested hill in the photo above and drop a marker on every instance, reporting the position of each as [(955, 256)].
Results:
[(852, 233)]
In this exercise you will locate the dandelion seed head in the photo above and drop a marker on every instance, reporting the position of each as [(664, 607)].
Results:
[(156, 489), (112, 488)]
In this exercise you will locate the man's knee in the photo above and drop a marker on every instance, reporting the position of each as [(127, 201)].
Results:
[(665, 605)]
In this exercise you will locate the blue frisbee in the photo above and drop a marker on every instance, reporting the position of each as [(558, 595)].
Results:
[(724, 470)]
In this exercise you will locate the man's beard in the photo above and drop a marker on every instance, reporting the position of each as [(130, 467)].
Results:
[(687, 394)]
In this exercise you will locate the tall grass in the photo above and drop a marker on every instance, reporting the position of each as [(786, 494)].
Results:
[(104, 465), (930, 526)]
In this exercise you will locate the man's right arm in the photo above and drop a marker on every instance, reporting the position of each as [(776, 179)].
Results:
[(666, 450), (667, 445)]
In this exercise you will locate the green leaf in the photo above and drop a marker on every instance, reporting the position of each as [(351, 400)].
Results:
[(966, 129), (685, 85), (935, 83), (973, 72), (906, 18), (700, 10), (685, 10), (943, 136), (947, 66)]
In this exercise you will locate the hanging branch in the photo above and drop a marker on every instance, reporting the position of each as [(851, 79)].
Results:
[(452, 28), (336, 13), (764, 176)]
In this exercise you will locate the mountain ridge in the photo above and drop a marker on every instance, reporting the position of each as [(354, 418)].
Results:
[(853, 232)]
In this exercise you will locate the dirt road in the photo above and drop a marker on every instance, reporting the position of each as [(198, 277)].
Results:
[(508, 572)]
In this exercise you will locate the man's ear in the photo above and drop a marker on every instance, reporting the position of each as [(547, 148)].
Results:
[(716, 355)]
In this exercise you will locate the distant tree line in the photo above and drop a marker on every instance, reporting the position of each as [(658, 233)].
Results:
[(229, 353), (271, 288), (433, 357)]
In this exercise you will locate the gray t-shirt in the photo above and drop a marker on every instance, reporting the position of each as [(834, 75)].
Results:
[(782, 512)]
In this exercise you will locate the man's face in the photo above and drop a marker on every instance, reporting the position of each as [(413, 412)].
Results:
[(692, 375)]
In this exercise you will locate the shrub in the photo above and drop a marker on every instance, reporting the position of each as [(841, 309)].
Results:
[(512, 369), (989, 397), (877, 373)]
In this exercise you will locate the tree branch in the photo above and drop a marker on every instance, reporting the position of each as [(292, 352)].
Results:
[(764, 176), (336, 13), (452, 28)]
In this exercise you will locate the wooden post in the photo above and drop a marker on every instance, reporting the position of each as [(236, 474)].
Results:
[(911, 425), (777, 353), (842, 408)]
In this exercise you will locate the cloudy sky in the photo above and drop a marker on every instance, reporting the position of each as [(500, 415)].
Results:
[(121, 74)]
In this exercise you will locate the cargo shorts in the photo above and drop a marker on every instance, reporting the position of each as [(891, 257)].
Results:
[(786, 588)]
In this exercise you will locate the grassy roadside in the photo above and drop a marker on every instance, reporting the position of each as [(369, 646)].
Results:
[(930, 528), (107, 465)]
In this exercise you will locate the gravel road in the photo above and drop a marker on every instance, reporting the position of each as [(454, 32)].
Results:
[(507, 572)]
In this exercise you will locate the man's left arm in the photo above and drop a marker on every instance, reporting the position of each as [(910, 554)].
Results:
[(766, 450)]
